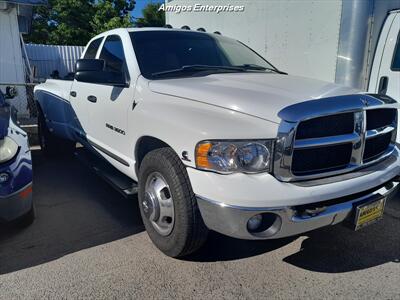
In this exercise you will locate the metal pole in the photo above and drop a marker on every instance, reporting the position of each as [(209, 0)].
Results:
[(19, 84)]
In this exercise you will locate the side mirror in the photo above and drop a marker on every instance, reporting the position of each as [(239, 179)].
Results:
[(83, 65), (92, 71), (11, 92)]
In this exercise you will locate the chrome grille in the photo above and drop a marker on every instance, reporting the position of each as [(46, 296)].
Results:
[(314, 146)]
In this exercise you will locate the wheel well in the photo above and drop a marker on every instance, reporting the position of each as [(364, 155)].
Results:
[(144, 146)]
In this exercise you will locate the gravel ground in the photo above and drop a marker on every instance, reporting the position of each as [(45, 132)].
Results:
[(88, 242)]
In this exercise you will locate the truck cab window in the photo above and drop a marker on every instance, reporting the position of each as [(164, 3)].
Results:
[(92, 48), (113, 54), (396, 56)]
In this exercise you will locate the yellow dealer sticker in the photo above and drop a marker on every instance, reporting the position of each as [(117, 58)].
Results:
[(369, 213)]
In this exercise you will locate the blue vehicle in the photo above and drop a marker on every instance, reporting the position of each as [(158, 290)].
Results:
[(16, 203)]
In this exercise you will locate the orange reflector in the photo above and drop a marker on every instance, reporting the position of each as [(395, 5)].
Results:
[(26, 192), (202, 155)]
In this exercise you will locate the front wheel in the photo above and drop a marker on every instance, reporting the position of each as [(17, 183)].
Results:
[(168, 205)]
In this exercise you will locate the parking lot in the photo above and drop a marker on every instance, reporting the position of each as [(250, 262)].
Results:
[(88, 241)]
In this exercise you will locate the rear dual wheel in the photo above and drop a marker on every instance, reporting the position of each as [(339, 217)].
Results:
[(50, 144), (168, 205)]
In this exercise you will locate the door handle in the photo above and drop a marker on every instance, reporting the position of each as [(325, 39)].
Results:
[(92, 98), (72, 93), (383, 85)]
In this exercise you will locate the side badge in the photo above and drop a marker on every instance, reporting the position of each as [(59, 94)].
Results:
[(185, 156)]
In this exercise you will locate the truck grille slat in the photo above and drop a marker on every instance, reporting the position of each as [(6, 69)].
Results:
[(378, 118), (323, 126), (321, 159), (376, 146)]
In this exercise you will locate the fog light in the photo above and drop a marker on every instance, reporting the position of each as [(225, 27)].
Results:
[(4, 177), (254, 223)]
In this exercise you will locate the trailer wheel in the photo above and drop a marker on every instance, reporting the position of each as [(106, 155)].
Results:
[(168, 205), (50, 144)]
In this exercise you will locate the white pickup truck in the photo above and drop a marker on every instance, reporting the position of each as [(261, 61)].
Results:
[(212, 136)]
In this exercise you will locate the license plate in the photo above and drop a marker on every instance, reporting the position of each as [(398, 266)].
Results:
[(368, 213)]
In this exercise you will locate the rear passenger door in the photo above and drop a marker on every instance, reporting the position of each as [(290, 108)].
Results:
[(108, 114)]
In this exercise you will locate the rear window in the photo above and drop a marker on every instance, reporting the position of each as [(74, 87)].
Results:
[(92, 48)]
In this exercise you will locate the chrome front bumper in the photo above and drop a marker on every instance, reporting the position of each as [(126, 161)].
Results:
[(288, 221)]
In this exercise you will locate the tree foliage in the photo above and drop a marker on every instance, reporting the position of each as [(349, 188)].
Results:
[(152, 16), (112, 14), (74, 22)]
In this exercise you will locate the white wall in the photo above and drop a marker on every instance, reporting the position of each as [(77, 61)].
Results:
[(11, 62), (300, 37)]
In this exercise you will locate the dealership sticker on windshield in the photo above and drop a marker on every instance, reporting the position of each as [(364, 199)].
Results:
[(369, 213)]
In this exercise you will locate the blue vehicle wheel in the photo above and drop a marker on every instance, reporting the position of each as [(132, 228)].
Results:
[(50, 144), (26, 219)]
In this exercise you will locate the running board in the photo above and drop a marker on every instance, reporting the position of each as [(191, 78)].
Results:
[(122, 183)]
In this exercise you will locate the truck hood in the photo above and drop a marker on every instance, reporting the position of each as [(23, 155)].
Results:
[(261, 95)]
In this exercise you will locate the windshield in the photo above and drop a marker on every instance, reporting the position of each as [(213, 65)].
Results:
[(162, 51)]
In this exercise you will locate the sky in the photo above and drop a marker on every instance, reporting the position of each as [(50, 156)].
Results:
[(140, 4)]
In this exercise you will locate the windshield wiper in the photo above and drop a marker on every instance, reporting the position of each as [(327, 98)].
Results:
[(194, 68), (260, 68)]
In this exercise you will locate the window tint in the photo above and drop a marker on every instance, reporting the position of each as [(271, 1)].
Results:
[(92, 48), (113, 54), (396, 56)]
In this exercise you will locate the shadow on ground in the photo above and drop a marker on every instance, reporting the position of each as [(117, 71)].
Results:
[(78, 210), (338, 249), (75, 210)]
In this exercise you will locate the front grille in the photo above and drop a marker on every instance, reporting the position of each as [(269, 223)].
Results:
[(322, 126), (333, 144), (376, 146), (321, 159), (378, 118)]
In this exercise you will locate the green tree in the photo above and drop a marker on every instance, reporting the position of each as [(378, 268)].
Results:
[(74, 22), (112, 14), (152, 16)]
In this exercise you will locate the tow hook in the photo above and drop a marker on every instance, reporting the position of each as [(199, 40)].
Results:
[(312, 212)]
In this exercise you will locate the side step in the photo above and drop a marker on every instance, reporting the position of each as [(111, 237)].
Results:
[(122, 183)]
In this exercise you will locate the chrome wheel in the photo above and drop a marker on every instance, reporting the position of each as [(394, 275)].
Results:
[(158, 205)]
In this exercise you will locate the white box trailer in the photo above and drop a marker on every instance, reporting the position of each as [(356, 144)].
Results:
[(350, 42)]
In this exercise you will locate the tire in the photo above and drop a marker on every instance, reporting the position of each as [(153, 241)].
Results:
[(26, 219), (188, 231), (50, 144)]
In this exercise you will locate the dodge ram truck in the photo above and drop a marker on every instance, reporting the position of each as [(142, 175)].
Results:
[(211, 136)]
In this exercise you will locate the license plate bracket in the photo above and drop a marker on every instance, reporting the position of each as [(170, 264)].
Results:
[(367, 213)]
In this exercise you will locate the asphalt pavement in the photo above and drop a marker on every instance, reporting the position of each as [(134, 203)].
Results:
[(89, 242)]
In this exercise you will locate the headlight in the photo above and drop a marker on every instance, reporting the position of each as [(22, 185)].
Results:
[(8, 149), (235, 156)]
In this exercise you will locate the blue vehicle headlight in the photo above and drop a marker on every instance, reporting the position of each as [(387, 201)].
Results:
[(8, 149)]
